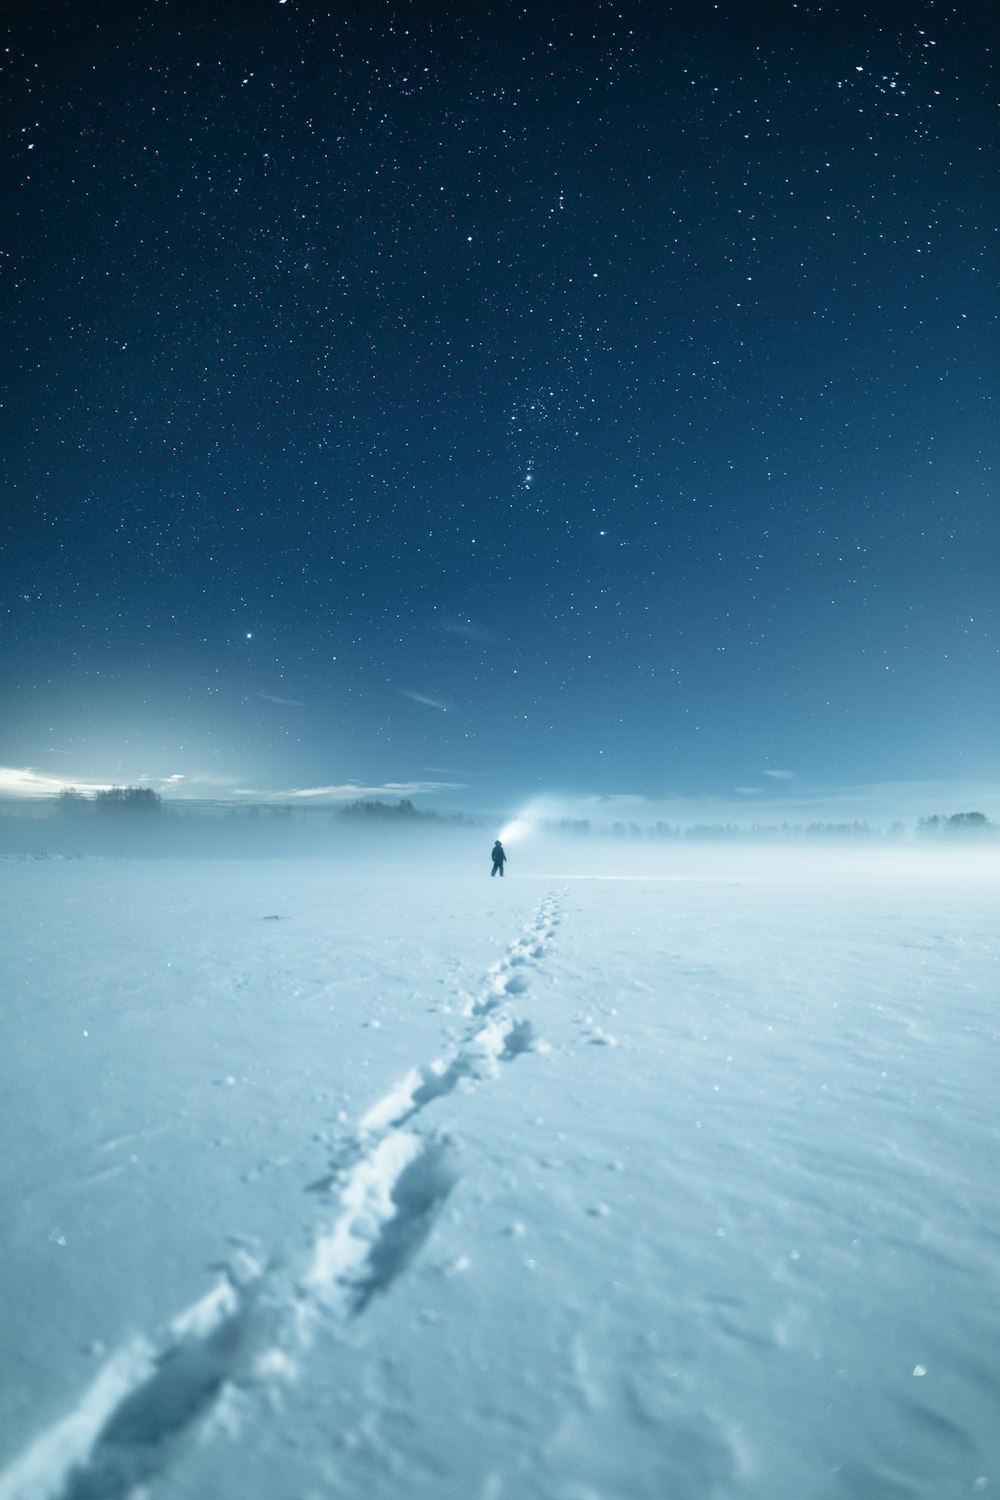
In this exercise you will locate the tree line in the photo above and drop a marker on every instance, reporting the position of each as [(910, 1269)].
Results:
[(144, 802)]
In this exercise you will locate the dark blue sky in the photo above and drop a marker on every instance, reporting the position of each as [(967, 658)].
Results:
[(594, 399)]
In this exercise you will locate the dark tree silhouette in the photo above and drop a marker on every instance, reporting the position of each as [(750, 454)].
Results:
[(128, 799), (72, 802)]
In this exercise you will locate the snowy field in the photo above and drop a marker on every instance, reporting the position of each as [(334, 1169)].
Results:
[(359, 1179)]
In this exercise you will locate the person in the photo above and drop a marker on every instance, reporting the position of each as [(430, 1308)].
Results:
[(499, 859)]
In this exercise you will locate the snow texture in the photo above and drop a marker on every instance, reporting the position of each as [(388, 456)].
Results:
[(323, 1182)]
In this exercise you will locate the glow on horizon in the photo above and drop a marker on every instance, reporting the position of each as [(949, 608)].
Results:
[(878, 804)]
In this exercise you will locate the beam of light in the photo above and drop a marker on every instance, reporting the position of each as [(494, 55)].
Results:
[(521, 826), (516, 829), (525, 823)]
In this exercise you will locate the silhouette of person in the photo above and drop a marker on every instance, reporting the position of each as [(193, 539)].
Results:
[(499, 860)]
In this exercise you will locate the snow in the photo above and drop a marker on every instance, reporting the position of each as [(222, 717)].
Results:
[(370, 1179)]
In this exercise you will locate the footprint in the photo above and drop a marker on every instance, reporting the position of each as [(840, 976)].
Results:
[(520, 1038), (417, 1196)]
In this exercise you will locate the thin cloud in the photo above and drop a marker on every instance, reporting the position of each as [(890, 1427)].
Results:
[(428, 702), (781, 775), (282, 702), (25, 781), (351, 791), (466, 631), (202, 779), (195, 783)]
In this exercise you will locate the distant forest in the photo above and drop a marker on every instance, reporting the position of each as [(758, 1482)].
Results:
[(135, 807)]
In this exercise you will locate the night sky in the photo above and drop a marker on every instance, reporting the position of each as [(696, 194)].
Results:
[(479, 401)]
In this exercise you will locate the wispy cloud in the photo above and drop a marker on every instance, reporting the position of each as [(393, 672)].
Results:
[(25, 781), (196, 782), (427, 701), (781, 775), (466, 630), (281, 702), (350, 791)]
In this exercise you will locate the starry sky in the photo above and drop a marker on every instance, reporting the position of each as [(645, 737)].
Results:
[(478, 402)]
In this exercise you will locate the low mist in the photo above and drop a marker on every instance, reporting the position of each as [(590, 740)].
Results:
[(403, 837)]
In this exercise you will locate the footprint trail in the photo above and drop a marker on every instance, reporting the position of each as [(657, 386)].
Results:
[(257, 1323)]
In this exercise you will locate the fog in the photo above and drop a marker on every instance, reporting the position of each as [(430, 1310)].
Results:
[(422, 844)]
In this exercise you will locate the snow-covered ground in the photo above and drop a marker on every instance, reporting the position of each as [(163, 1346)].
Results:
[(364, 1179)]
